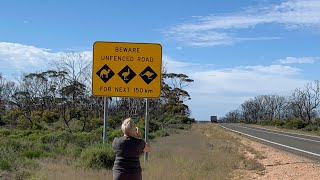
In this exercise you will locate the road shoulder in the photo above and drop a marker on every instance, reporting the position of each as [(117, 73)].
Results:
[(280, 164)]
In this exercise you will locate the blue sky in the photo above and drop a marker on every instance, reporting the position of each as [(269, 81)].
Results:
[(233, 50)]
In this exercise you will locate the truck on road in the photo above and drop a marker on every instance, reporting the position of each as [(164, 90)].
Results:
[(214, 119)]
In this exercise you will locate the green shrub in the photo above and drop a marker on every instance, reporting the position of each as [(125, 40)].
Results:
[(182, 127), (9, 157), (13, 144), (112, 133), (36, 116), (295, 124), (98, 156), (311, 127), (11, 117), (152, 136), (184, 119), (26, 132), (35, 136), (76, 125), (161, 133), (308, 128), (84, 139), (53, 137), (94, 123), (5, 165), (72, 150), (37, 126), (315, 128), (113, 122), (264, 122), (14, 136), (50, 117), (5, 132), (23, 122), (277, 122), (174, 121), (30, 153), (2, 121)]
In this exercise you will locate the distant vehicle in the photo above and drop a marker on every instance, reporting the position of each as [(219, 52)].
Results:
[(214, 119)]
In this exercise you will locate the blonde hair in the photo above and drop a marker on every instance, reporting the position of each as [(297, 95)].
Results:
[(128, 127)]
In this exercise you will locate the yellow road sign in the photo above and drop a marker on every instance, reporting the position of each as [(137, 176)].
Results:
[(126, 69)]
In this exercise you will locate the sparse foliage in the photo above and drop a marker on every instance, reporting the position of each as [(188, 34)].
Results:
[(299, 110)]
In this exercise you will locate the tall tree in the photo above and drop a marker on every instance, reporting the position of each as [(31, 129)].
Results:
[(306, 101)]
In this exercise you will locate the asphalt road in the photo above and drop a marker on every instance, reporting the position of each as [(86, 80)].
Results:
[(308, 146)]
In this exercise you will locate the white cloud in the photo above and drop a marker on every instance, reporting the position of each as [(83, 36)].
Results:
[(215, 92), (21, 56), (18, 58), (295, 60), (172, 65), (273, 69), (215, 29)]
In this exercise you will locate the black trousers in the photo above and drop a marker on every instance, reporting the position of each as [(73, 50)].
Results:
[(117, 175)]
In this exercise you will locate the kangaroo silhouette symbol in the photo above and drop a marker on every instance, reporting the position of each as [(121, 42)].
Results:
[(148, 74)]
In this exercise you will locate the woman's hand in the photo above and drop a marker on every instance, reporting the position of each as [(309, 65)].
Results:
[(146, 148)]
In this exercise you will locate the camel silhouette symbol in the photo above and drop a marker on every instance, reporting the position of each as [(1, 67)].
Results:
[(105, 73), (148, 74)]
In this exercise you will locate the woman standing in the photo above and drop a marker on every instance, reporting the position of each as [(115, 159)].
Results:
[(128, 149)]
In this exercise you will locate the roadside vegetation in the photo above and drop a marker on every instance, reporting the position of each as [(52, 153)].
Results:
[(299, 111), (52, 116), (205, 151)]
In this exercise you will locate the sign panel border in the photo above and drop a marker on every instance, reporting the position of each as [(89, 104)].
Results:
[(119, 42)]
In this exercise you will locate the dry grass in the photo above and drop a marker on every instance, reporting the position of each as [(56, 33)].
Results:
[(60, 170), (205, 152)]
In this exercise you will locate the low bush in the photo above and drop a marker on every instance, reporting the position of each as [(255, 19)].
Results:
[(5, 165), (112, 133), (50, 117), (23, 123), (295, 124), (85, 139), (277, 122), (161, 133), (30, 153), (53, 137), (186, 120), (5, 132), (94, 123), (9, 158), (308, 128), (311, 127), (152, 136), (98, 156)]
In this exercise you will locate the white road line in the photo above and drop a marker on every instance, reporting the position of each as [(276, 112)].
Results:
[(288, 132), (280, 134), (289, 147)]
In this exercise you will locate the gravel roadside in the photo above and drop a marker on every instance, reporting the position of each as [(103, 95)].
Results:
[(280, 164)]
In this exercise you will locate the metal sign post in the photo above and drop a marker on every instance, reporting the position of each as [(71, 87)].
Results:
[(105, 117), (126, 69), (146, 128)]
